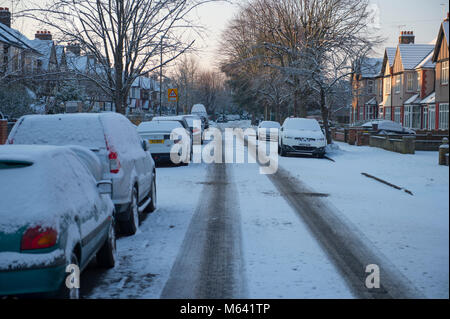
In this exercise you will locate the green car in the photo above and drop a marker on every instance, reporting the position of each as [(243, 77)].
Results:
[(55, 217)]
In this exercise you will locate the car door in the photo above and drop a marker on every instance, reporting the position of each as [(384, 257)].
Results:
[(143, 162)]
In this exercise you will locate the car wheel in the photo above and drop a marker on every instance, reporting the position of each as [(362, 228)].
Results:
[(106, 256), (130, 226), (282, 150), (70, 293), (152, 206)]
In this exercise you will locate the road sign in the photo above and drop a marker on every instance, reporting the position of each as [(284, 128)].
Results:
[(172, 95)]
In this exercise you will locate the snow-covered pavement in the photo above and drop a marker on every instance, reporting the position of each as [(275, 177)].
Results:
[(281, 258), (411, 231)]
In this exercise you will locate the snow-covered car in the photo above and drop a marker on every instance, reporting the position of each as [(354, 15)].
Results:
[(196, 130), (53, 213), (124, 157), (183, 122), (162, 137), (387, 127), (268, 131), (200, 110), (301, 136)]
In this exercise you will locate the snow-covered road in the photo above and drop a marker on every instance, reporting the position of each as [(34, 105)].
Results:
[(226, 231)]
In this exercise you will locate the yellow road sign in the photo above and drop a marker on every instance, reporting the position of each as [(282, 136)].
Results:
[(172, 95)]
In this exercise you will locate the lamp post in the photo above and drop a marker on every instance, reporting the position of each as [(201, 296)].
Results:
[(160, 79)]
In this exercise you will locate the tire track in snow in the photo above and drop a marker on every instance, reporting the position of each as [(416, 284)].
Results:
[(349, 249), (210, 262)]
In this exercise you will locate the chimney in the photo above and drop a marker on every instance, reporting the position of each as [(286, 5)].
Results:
[(74, 48), (5, 17), (43, 35), (446, 19), (406, 37)]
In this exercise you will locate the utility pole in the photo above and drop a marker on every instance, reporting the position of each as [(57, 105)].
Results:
[(160, 78)]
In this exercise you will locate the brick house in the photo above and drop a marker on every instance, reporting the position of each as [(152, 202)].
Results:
[(408, 57), (17, 54), (364, 82), (386, 87), (441, 58)]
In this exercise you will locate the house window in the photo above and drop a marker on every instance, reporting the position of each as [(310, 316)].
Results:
[(398, 83), (381, 113), (443, 116), (361, 113), (388, 85), (369, 112), (387, 112), (432, 117), (410, 80), (407, 116), (444, 72), (398, 114), (370, 87), (419, 77), (380, 87), (425, 117)]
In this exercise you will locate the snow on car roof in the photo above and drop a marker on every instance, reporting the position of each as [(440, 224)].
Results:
[(198, 108), (37, 194), (269, 124), (302, 124), (154, 126), (62, 129)]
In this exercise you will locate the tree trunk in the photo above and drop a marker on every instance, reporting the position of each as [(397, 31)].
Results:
[(324, 111)]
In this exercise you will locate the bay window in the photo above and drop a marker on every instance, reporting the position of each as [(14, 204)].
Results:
[(443, 116)]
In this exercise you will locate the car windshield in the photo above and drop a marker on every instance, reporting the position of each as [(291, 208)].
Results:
[(302, 124)]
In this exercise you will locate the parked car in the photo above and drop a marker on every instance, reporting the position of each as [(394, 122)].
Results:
[(183, 122), (387, 127), (268, 131), (200, 110), (301, 136), (162, 136), (52, 213), (124, 156), (197, 131)]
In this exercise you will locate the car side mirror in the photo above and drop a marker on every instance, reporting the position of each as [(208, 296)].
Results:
[(105, 187), (281, 129)]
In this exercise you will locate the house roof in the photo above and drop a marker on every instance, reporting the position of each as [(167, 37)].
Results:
[(389, 57), (390, 53), (14, 37), (427, 62), (413, 99), (429, 99), (412, 54), (372, 101), (443, 32), (370, 67)]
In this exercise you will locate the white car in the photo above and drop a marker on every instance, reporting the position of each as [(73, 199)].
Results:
[(197, 128), (162, 137), (124, 157), (301, 136), (268, 131)]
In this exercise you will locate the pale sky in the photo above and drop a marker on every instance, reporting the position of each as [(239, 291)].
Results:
[(421, 16)]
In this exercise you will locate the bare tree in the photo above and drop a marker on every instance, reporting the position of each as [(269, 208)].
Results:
[(313, 43), (126, 37)]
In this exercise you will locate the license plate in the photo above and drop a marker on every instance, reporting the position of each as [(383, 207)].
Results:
[(303, 144), (156, 141)]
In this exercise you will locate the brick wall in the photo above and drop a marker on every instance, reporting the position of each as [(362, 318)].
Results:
[(3, 131)]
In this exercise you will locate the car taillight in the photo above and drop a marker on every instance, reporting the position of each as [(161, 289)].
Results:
[(114, 163), (38, 238), (195, 130)]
